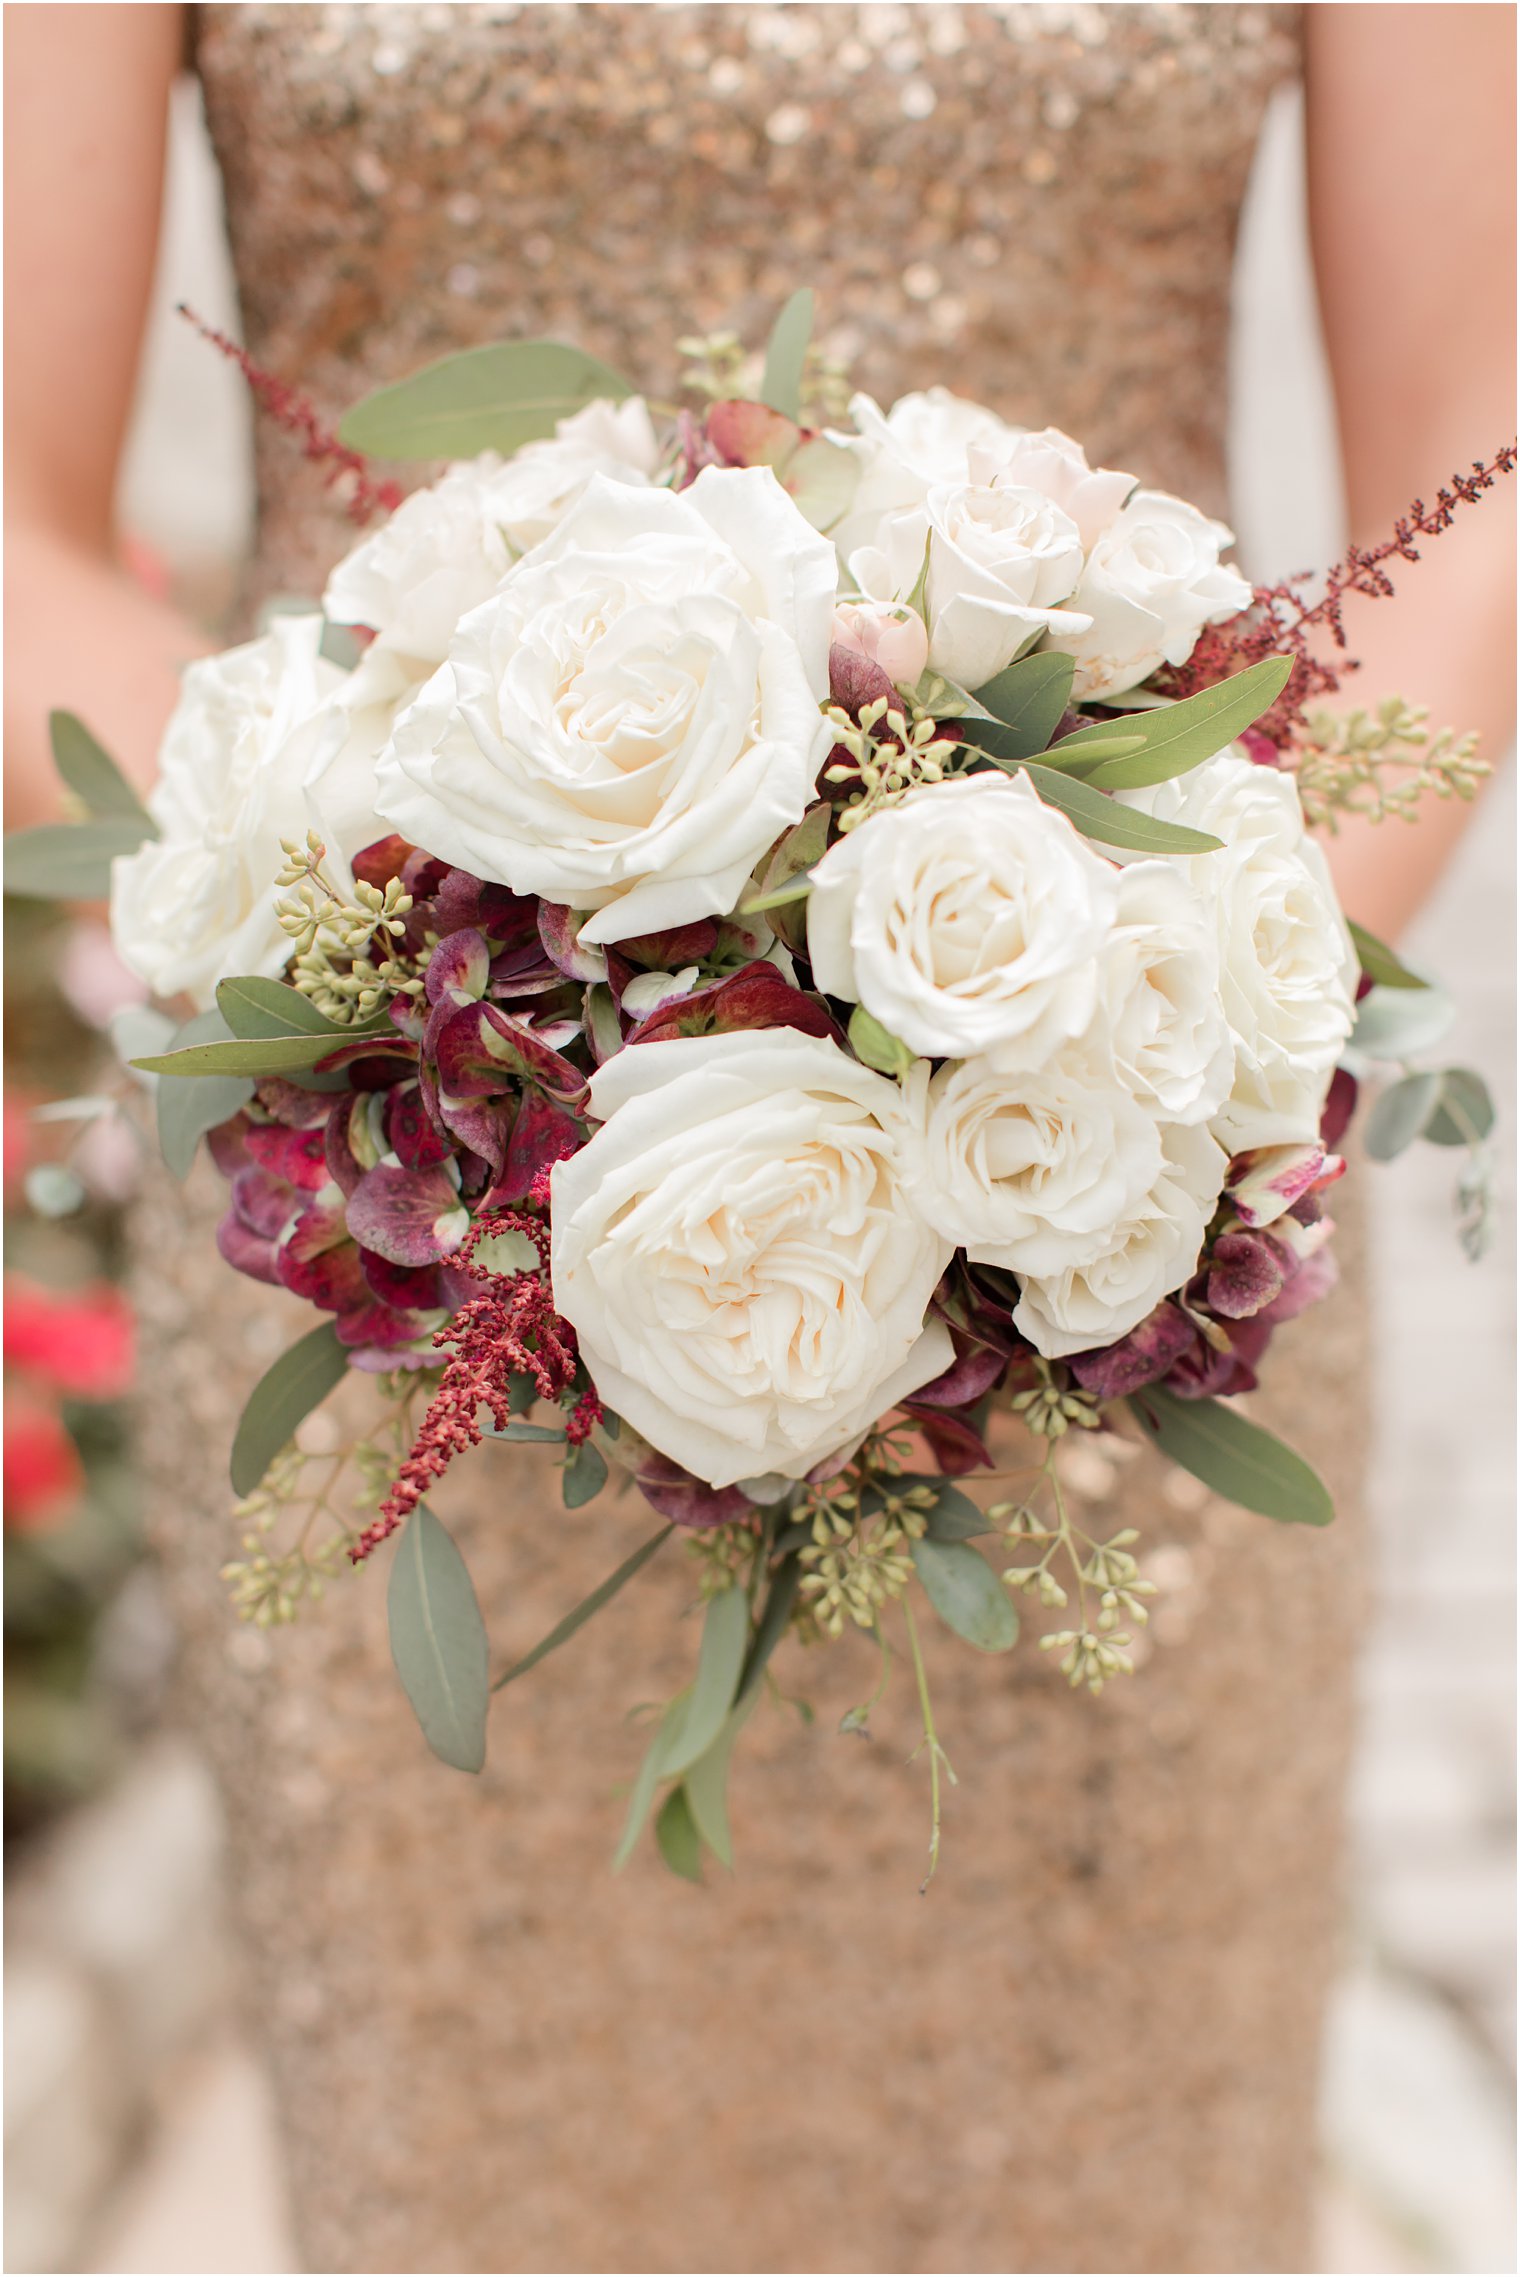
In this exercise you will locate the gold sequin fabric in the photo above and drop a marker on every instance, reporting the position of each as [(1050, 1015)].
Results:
[(1035, 205)]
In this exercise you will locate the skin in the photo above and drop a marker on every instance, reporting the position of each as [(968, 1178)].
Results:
[(1410, 134)]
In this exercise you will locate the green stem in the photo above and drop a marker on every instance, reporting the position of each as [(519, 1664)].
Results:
[(937, 1754)]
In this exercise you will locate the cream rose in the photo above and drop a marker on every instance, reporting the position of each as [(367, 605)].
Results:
[(735, 1254), (969, 915), (1153, 580), (633, 717), (902, 453), (196, 905), (1163, 1026), (1146, 1255), (1288, 971)]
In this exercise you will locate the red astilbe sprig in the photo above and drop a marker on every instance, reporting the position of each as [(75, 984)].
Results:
[(289, 409), (1286, 619), (510, 1329)]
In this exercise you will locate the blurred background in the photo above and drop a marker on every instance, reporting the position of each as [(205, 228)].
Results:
[(138, 2131)]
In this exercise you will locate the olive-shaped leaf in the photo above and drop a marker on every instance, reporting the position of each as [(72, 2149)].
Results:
[(1236, 1458), (93, 775), (725, 1633), (1111, 824), (1182, 735), (69, 861), (1027, 700), (584, 1474), (676, 1833), (484, 399), (282, 1399), (1378, 961), (966, 1594), (785, 355), (438, 1641)]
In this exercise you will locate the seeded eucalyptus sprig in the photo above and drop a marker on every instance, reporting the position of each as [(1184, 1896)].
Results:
[(1379, 765), (335, 938)]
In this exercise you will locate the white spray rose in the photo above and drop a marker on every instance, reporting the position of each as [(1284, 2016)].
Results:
[(734, 1252), (1044, 459), (250, 733), (887, 634), (1147, 1254), (1163, 1025), (1153, 580), (968, 915), (923, 440), (1030, 1171), (537, 487), (1288, 971), (633, 717)]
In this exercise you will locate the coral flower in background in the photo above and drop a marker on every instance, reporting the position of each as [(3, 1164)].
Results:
[(79, 1345)]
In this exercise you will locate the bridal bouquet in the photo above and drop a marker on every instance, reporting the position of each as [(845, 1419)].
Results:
[(742, 941)]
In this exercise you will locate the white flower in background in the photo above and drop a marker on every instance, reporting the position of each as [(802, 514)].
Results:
[(447, 548), (1153, 580), (887, 634), (633, 717), (995, 561), (197, 904), (1288, 971), (1145, 1256), (734, 1252), (968, 915), (1164, 1027), (923, 440), (1030, 1171)]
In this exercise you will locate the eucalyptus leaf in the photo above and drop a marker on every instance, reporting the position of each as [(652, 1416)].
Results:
[(140, 1029), (706, 1783), (1399, 1114), (644, 1785), (785, 355), (584, 1474), (438, 1641), (1185, 734), (280, 1401), (186, 1111), (1464, 1111), (256, 1009), (271, 1055), (676, 1833), (1400, 1023), (605, 1591), (966, 1593), (1027, 699), (1233, 1456), (1379, 963), (771, 1627), (955, 1517), (725, 1633), (484, 399), (1100, 817), (69, 861), (93, 775), (533, 1434)]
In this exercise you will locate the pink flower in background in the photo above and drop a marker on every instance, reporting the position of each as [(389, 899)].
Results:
[(43, 1473), (80, 1345)]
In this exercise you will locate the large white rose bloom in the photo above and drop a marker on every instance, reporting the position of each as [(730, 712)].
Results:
[(1030, 1171), (1163, 1025), (1288, 971), (1146, 1254), (447, 548), (968, 915), (735, 1254), (251, 732), (1153, 580), (633, 717), (902, 453)]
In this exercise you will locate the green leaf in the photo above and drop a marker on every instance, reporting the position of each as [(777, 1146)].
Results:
[(438, 1641), (69, 861), (786, 351), (706, 1783), (1236, 1458), (955, 1517), (257, 1009), (1103, 818), (271, 1055), (186, 1111), (966, 1594), (876, 1046), (538, 1434), (795, 889), (281, 1399), (725, 1633), (1399, 1114), (1399, 1023), (1379, 963), (605, 1591), (1464, 1113), (484, 399), (1027, 699), (584, 1474), (676, 1833), (644, 1785), (1184, 734), (772, 1626), (93, 775)]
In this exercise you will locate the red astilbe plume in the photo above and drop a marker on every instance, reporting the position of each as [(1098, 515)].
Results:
[(510, 1329), (289, 409), (1284, 621)]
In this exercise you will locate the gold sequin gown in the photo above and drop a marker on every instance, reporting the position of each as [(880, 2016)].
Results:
[(1093, 2045)]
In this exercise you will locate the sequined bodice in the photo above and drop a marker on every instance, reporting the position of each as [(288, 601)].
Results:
[(1034, 204)]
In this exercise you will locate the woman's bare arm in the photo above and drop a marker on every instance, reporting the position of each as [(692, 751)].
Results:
[(1411, 145), (86, 99)]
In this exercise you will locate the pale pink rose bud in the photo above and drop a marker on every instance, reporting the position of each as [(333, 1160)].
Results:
[(887, 634)]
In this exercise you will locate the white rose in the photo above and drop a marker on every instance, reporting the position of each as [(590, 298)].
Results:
[(923, 440), (995, 559), (734, 1253), (1163, 1025), (1147, 1255), (968, 915), (447, 548), (1030, 1171), (1153, 580), (633, 717), (1288, 971), (1050, 462), (252, 726)]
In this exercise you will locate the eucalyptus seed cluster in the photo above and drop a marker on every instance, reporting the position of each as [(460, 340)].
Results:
[(270, 1587), (1381, 764), (859, 1560), (335, 939), (885, 767), (1087, 1658), (1098, 1649), (725, 1557), (826, 386), (713, 362), (1053, 1405)]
